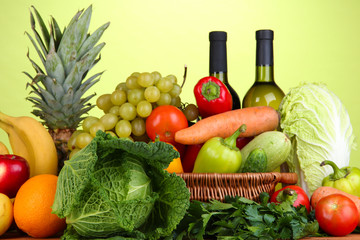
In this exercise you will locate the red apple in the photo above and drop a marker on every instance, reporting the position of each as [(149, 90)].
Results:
[(14, 171)]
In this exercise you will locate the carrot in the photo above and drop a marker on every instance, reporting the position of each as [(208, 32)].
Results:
[(324, 191), (257, 120)]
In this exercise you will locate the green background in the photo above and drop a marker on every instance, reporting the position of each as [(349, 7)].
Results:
[(315, 41)]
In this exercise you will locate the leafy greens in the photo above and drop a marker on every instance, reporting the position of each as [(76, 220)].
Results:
[(241, 218), (116, 188), (319, 129)]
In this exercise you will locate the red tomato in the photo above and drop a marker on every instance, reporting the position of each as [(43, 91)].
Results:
[(165, 121), (337, 215), (288, 194)]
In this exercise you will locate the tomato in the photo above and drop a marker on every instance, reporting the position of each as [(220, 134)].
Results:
[(295, 194), (337, 215), (165, 121)]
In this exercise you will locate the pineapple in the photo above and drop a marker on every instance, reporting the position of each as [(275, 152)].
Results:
[(58, 90)]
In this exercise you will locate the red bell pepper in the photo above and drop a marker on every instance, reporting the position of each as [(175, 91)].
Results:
[(190, 155), (212, 96)]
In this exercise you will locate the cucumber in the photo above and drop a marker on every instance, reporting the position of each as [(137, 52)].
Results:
[(276, 146), (256, 161)]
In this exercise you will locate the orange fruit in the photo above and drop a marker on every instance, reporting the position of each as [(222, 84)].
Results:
[(32, 207), (175, 166)]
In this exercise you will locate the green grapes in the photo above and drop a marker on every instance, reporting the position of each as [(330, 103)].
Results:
[(104, 102), (143, 109), (83, 139), (109, 120), (118, 97), (88, 122), (123, 128), (127, 107), (127, 111), (152, 94), (145, 79), (164, 85), (165, 99)]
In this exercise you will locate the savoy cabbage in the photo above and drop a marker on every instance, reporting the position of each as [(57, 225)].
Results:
[(116, 188)]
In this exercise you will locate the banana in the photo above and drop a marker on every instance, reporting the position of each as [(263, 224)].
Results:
[(3, 149), (38, 142), (17, 144)]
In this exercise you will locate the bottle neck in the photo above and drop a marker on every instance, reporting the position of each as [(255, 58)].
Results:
[(264, 74), (218, 58), (264, 60), (222, 76)]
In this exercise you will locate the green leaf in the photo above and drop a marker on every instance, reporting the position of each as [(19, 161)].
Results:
[(54, 66), (43, 28), (38, 38), (90, 42), (269, 219), (86, 85), (34, 64), (75, 77), (97, 195), (72, 38), (56, 32), (253, 213)]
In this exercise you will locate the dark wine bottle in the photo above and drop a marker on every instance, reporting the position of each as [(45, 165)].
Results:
[(218, 63), (264, 92)]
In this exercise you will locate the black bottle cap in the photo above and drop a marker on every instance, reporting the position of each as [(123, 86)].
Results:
[(218, 61), (218, 36), (265, 34), (264, 48)]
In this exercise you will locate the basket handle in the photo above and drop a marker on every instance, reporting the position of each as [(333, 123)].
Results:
[(288, 178)]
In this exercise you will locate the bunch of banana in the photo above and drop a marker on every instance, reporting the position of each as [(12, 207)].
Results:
[(29, 139)]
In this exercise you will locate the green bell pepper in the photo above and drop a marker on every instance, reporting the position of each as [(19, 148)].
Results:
[(219, 155), (346, 179)]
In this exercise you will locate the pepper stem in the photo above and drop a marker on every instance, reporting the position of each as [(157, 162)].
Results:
[(231, 141), (287, 195), (210, 91), (338, 173)]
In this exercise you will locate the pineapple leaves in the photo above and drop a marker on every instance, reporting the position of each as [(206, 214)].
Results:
[(72, 39), (54, 66), (41, 56), (86, 85), (56, 32), (92, 40), (75, 77), (43, 28), (67, 56)]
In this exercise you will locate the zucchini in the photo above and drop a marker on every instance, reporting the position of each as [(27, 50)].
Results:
[(276, 146), (256, 161)]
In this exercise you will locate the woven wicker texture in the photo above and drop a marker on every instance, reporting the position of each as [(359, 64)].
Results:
[(206, 186)]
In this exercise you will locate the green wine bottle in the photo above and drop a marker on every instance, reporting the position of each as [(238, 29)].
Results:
[(264, 92), (218, 63)]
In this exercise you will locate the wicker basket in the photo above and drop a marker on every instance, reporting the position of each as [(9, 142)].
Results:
[(206, 186)]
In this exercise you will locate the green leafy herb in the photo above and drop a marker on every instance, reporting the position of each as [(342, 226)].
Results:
[(118, 189), (241, 218)]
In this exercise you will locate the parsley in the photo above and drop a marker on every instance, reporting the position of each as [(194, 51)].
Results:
[(241, 218)]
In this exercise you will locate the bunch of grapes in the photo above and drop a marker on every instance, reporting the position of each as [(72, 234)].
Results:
[(127, 107)]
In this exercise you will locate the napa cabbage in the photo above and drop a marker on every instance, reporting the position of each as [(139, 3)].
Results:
[(119, 188), (319, 128)]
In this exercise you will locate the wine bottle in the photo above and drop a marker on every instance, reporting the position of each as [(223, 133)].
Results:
[(264, 91), (218, 63)]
